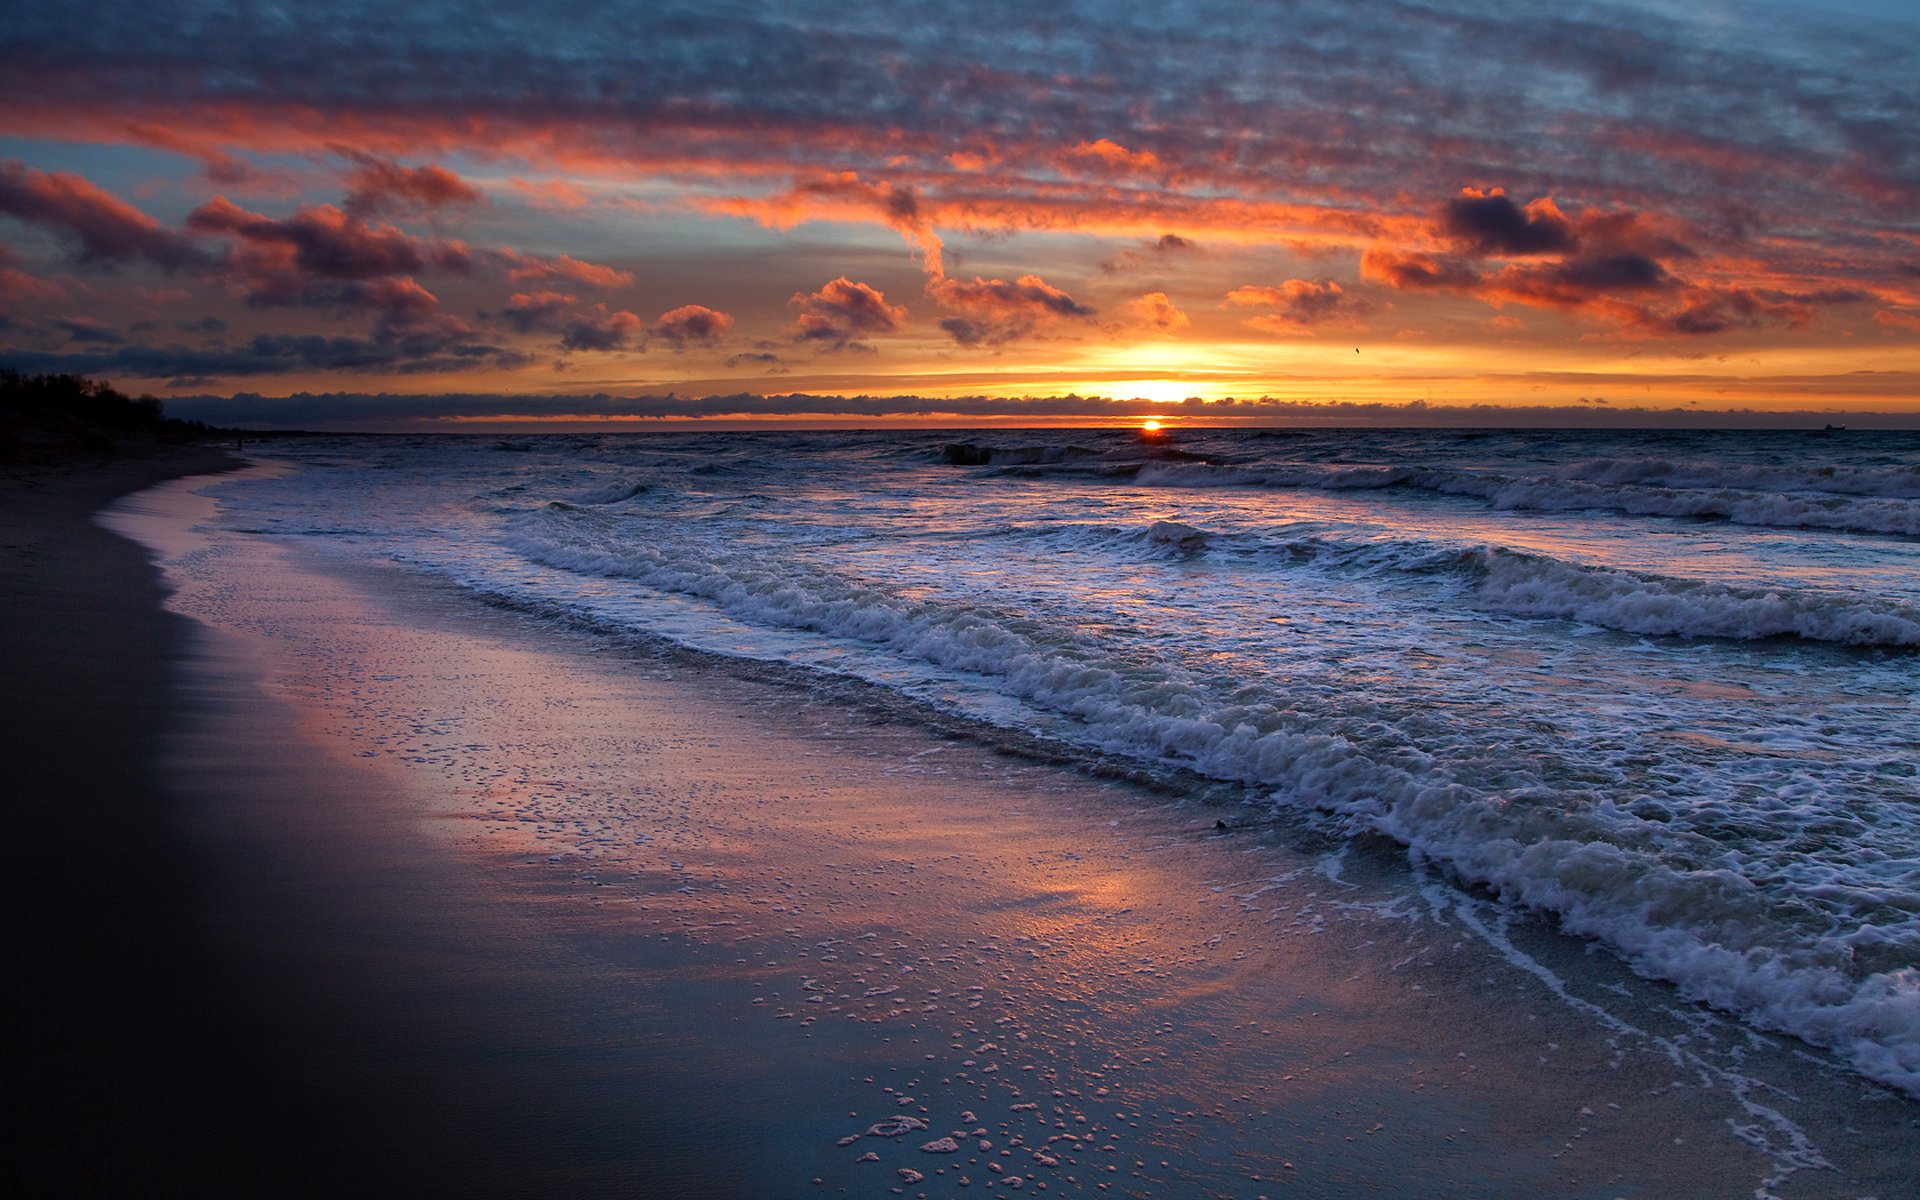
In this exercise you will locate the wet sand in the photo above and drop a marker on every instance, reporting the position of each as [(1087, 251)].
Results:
[(483, 907)]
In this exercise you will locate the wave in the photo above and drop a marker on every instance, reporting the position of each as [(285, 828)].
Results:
[(1520, 583), (1891, 514), (1554, 839), (610, 493), (1887, 481), (1540, 586), (975, 454)]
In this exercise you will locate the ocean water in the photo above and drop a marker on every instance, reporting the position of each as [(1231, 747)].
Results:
[(1661, 688)]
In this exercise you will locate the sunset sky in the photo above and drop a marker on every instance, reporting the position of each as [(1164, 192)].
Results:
[(403, 212)]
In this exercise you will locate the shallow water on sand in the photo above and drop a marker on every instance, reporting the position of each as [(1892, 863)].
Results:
[(840, 917), (1661, 686)]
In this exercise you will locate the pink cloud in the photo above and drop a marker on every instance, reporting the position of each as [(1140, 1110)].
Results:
[(381, 185), (108, 229), (324, 242)]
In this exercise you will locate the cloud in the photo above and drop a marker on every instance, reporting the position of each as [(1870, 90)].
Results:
[(321, 241), (691, 325), (1152, 253), (363, 410), (277, 354), (1772, 147), (553, 195), (561, 267), (1489, 224), (108, 229), (87, 330), (1610, 265), (1154, 311), (1574, 282), (403, 306), (1412, 271), (600, 330), (1710, 311), (1324, 113), (17, 286), (841, 313), (844, 193), (528, 311), (221, 168), (996, 311), (1115, 157), (1298, 305), (381, 185), (1897, 320)]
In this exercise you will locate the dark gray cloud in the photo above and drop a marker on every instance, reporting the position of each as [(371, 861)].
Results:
[(416, 352), (1492, 224), (87, 330), (346, 410)]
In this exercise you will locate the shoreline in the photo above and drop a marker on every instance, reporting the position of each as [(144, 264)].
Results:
[(559, 923)]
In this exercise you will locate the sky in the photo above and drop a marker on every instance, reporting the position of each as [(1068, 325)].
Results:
[(430, 215)]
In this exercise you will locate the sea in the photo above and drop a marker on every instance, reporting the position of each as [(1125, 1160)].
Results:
[(1660, 690)]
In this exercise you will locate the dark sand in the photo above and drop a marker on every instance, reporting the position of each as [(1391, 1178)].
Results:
[(375, 890), (122, 1071)]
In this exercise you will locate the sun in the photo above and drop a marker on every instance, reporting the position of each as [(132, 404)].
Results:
[(1149, 426)]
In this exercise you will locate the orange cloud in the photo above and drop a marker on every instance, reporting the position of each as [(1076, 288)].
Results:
[(1153, 310), (1117, 157), (841, 313), (1298, 305), (691, 324), (998, 312), (842, 195)]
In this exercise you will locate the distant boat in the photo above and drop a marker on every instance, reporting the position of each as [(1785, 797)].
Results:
[(1835, 428)]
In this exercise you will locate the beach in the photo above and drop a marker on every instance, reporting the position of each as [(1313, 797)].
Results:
[(355, 880)]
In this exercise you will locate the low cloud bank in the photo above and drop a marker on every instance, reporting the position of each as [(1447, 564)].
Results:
[(457, 411)]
